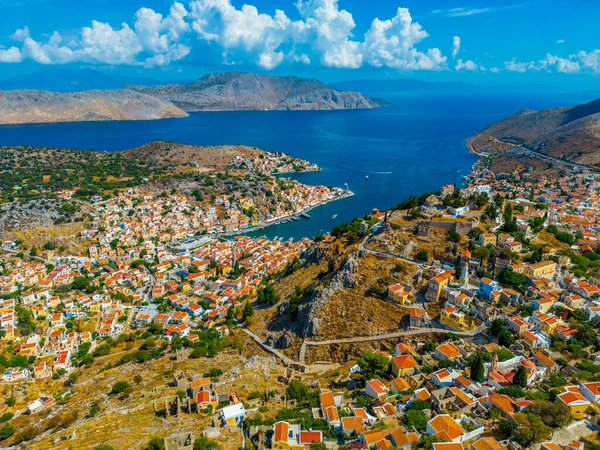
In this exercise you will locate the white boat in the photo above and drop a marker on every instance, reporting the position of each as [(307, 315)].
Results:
[(367, 177), (334, 216)]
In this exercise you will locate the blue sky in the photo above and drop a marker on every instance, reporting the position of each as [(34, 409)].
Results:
[(485, 42)]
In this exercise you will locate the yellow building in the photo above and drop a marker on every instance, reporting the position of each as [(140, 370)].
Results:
[(457, 320), (548, 325), (542, 269), (576, 401), (403, 365), (397, 294), (437, 285), (486, 239)]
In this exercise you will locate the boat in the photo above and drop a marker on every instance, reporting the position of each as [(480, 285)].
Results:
[(334, 216), (367, 177), (305, 216)]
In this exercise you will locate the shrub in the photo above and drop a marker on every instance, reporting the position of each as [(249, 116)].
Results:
[(119, 387), (6, 431)]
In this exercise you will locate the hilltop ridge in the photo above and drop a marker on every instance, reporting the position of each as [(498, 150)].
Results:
[(249, 91), (214, 92), (569, 133), (32, 106)]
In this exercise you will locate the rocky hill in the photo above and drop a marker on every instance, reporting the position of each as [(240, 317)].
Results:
[(32, 106), (570, 133), (248, 91)]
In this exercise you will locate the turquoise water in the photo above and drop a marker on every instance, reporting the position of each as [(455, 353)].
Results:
[(412, 146)]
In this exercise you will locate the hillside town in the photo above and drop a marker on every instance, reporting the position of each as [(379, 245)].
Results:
[(498, 349)]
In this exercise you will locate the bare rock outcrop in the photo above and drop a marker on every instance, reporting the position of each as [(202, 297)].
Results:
[(345, 278)]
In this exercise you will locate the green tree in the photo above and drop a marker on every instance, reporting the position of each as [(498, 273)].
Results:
[(203, 443), (318, 446), (156, 444), (477, 369), (508, 213), (119, 387), (373, 364), (520, 378), (297, 390), (80, 283), (498, 325), (268, 295), (248, 311), (506, 338), (423, 255), (415, 418), (453, 236), (6, 431), (554, 414)]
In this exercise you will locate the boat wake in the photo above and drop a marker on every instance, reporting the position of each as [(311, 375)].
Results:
[(364, 171)]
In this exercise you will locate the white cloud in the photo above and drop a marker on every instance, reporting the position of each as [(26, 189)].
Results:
[(560, 41), (513, 66), (455, 46), (467, 65), (391, 43), (323, 33), (323, 29), (10, 55), (152, 41), (472, 11), (588, 62)]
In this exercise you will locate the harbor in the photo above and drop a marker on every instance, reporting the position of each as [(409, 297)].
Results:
[(288, 219)]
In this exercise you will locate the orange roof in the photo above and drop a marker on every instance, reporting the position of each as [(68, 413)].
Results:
[(332, 414), (449, 350), (460, 394), (570, 397), (422, 394), (550, 446), (448, 446), (401, 384), (360, 412), (401, 438), (405, 362), (371, 437), (327, 400), (446, 426), (377, 386), (308, 437), (502, 402), (406, 348), (351, 423), (281, 432), (487, 443)]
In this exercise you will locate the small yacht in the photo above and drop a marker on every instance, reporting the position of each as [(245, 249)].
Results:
[(367, 177), (334, 216), (305, 216)]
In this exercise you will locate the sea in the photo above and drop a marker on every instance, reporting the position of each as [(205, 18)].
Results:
[(384, 155)]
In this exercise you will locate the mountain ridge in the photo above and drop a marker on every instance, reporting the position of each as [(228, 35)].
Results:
[(570, 133), (213, 92), (249, 91), (36, 106)]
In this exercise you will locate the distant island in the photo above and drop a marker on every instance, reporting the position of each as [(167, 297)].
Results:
[(231, 91), (247, 91), (557, 135)]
